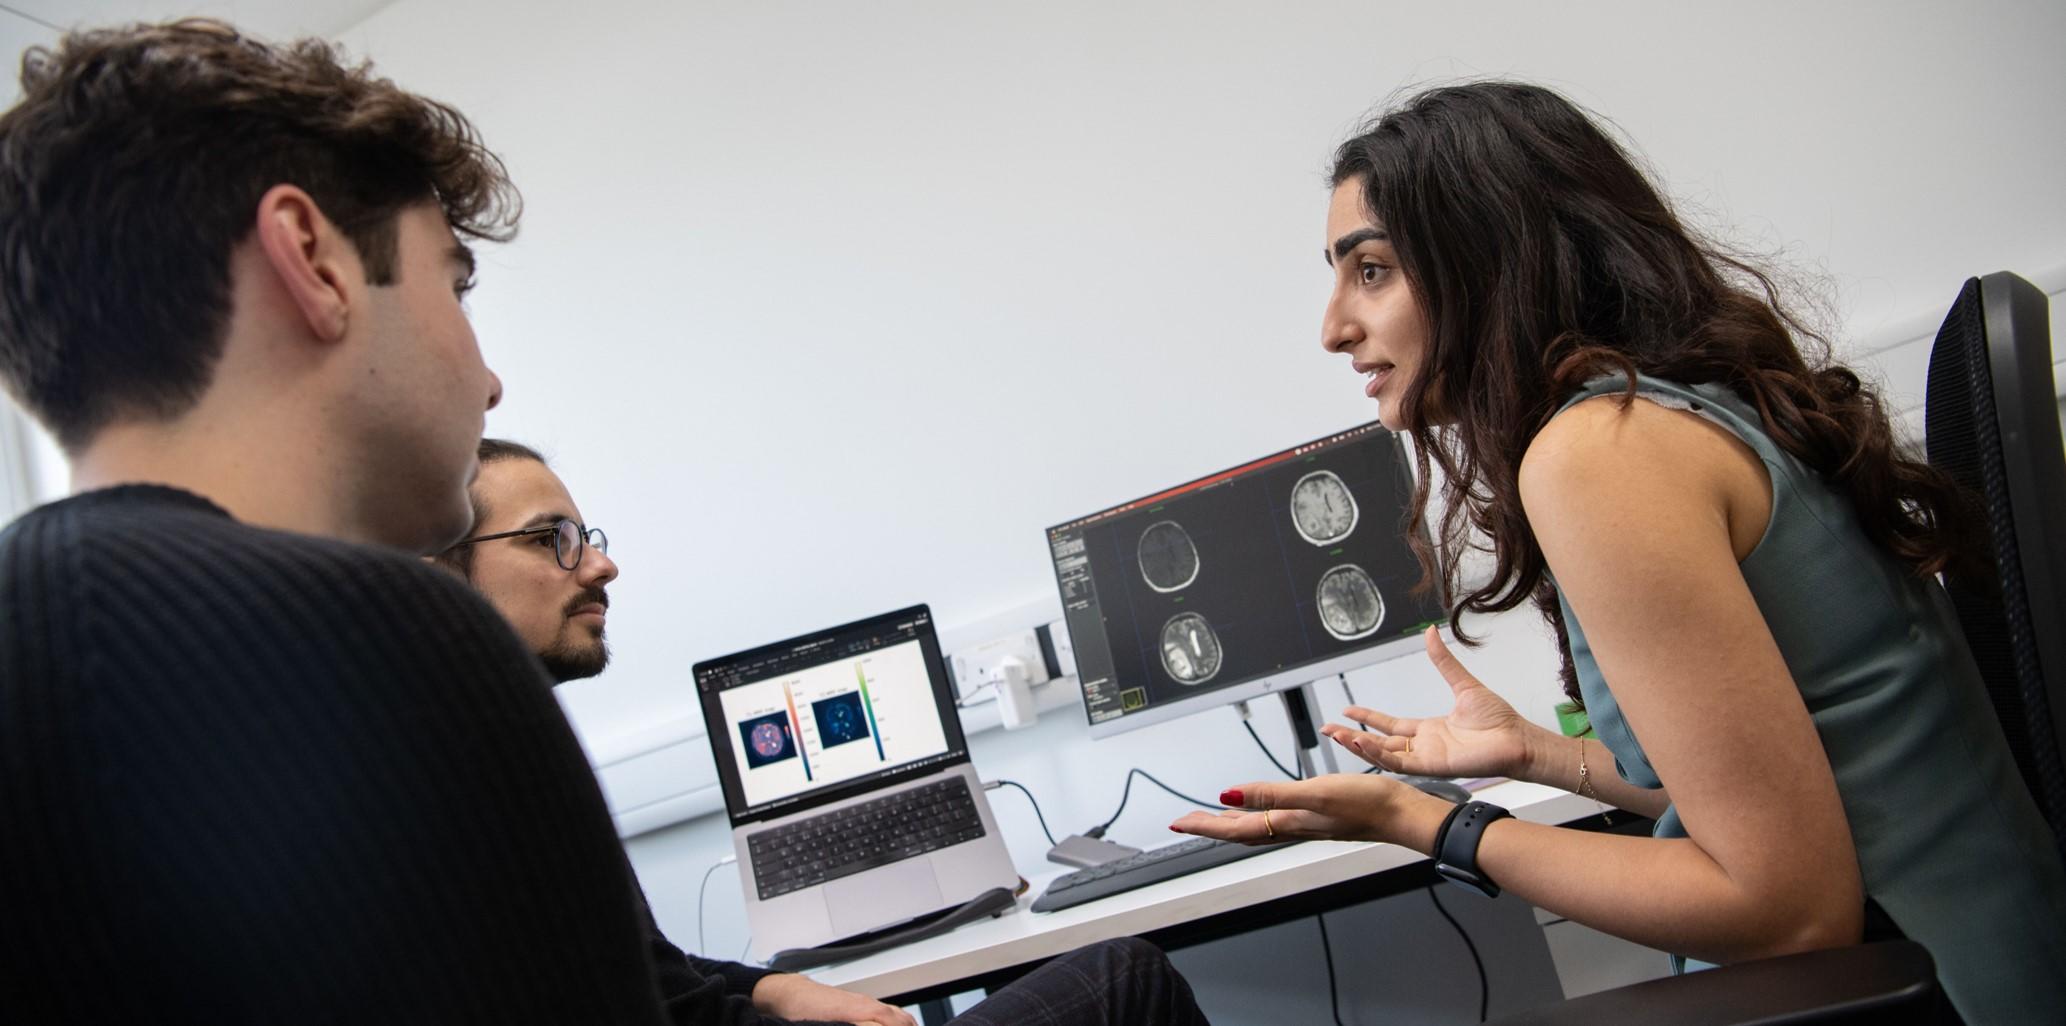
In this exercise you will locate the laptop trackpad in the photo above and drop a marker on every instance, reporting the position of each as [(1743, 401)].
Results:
[(875, 899)]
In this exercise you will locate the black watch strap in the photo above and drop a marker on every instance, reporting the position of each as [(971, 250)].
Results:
[(1456, 846)]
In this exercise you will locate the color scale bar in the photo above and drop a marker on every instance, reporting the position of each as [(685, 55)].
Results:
[(869, 704), (796, 731)]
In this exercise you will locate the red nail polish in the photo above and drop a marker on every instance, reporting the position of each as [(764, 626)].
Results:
[(1230, 796)]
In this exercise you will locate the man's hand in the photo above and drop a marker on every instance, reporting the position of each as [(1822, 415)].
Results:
[(789, 996)]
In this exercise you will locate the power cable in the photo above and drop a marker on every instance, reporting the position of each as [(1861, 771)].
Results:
[(1281, 768), (1036, 807), (1327, 949), (1127, 792), (26, 16), (702, 945), (1484, 987)]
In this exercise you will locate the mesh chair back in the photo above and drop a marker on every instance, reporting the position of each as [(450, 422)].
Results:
[(1985, 424)]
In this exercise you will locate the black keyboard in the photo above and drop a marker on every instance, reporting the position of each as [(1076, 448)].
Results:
[(1149, 867), (861, 837)]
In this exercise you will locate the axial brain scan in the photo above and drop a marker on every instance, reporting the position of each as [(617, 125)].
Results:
[(1350, 606), (1322, 508), (1190, 650), (1169, 562)]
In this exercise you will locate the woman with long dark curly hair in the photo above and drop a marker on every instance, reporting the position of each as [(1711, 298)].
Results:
[(1737, 557)]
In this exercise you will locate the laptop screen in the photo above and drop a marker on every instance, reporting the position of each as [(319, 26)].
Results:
[(830, 714)]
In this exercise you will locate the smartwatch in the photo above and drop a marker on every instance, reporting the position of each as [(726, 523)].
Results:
[(1456, 845)]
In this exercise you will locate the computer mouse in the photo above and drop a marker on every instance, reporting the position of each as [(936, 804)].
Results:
[(1447, 789)]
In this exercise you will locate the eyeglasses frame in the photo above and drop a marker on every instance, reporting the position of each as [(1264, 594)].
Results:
[(583, 532)]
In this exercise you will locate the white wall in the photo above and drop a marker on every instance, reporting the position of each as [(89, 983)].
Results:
[(864, 296)]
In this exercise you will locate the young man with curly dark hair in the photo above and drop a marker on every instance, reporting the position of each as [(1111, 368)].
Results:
[(258, 762)]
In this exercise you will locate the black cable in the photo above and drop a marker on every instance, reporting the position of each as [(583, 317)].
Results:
[(1266, 751), (1484, 987), (1127, 791), (26, 16), (1327, 949), (1036, 807)]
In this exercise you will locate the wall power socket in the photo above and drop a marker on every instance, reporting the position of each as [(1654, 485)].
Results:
[(978, 666)]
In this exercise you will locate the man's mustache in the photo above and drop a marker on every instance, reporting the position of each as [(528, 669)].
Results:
[(590, 597)]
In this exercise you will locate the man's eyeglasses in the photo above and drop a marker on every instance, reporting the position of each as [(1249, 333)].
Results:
[(569, 539)]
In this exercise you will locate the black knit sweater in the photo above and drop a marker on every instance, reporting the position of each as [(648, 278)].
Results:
[(252, 776)]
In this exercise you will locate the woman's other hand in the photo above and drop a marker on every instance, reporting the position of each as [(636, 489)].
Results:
[(1482, 736)]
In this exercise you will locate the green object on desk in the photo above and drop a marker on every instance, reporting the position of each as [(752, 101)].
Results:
[(1572, 720)]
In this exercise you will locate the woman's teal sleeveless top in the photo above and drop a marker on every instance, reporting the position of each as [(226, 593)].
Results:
[(1949, 841)]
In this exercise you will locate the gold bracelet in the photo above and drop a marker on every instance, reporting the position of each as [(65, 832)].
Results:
[(1585, 785)]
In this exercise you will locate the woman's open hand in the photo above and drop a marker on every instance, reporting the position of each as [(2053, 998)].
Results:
[(1336, 807), (1482, 736)]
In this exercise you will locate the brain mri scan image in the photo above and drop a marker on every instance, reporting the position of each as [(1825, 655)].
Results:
[(1322, 508), (1169, 562), (840, 719), (767, 740), (1190, 650), (1350, 606)]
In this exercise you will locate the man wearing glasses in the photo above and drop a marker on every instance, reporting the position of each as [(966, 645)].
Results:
[(535, 559)]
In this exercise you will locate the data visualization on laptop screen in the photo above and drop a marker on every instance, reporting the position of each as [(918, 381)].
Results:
[(850, 705), (1239, 582)]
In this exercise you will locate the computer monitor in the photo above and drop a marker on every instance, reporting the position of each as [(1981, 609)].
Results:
[(1278, 572)]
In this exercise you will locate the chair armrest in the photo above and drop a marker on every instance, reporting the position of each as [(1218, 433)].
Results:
[(1886, 982)]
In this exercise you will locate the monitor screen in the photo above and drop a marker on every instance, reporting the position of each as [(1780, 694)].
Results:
[(818, 717), (1272, 574)]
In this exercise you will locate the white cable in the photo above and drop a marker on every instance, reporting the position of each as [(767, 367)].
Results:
[(702, 946)]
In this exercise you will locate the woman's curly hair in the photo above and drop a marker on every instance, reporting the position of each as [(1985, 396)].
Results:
[(1542, 258)]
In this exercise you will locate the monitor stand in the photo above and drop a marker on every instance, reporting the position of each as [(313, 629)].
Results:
[(1303, 709)]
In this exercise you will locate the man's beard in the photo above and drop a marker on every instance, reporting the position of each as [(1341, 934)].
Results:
[(567, 658), (567, 661)]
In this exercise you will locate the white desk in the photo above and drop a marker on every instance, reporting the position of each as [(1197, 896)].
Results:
[(959, 959)]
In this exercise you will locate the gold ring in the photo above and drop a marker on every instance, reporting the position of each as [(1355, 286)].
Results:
[(1409, 745), (1266, 823)]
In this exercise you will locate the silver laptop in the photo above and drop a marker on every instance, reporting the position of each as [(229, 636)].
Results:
[(853, 804)]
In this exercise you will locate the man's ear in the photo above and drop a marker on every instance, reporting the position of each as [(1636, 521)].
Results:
[(314, 263)]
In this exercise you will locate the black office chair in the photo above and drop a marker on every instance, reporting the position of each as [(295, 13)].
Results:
[(1991, 419)]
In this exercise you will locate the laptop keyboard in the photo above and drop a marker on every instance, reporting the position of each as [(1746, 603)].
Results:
[(861, 837)]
